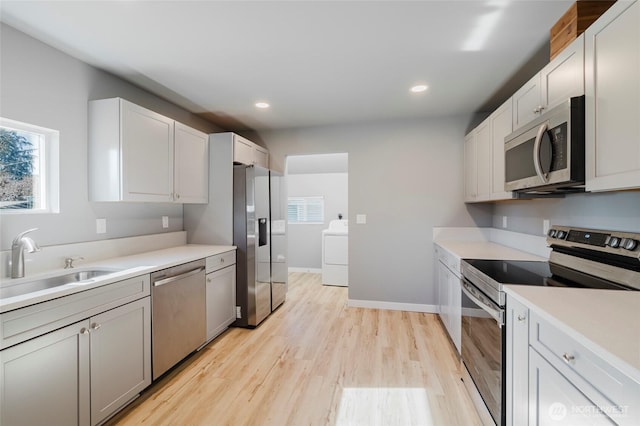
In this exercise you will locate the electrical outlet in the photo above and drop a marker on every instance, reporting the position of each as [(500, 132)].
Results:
[(545, 226), (238, 312), (101, 226), (504, 221), (165, 221), (361, 219)]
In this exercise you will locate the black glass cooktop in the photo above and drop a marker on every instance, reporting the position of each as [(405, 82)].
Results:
[(538, 274), (513, 271)]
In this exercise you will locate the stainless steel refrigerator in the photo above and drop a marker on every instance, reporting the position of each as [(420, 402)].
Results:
[(261, 283)]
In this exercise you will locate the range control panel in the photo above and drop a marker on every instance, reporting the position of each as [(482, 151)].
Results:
[(623, 243)]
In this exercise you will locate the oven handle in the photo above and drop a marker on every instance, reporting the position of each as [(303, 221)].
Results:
[(536, 153), (496, 314)]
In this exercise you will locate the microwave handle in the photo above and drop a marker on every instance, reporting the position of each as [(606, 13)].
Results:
[(536, 153)]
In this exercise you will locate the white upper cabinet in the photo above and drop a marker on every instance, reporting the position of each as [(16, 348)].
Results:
[(612, 57), (191, 165), (133, 155), (483, 161), (484, 157), (501, 127), (561, 79), (247, 152), (470, 168), (526, 102)]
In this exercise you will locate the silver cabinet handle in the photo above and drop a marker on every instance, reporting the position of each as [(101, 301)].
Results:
[(95, 326), (568, 358), (178, 277), (522, 318), (84, 330)]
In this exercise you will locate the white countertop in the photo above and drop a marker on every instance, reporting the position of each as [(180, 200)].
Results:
[(126, 266), (607, 322), (485, 250)]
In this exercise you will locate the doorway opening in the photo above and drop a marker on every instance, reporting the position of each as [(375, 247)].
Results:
[(317, 215)]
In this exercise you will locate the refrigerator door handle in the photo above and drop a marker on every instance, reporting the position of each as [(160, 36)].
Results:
[(262, 231)]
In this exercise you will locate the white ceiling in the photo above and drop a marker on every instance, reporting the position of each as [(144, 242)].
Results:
[(315, 62)]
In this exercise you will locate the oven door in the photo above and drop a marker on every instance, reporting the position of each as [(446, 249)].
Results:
[(483, 344)]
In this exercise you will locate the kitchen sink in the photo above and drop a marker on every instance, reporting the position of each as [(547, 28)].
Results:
[(51, 282)]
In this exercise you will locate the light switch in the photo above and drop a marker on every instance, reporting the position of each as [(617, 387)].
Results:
[(545, 226), (165, 221), (101, 226), (361, 219)]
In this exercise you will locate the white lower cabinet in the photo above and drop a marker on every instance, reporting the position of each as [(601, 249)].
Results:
[(552, 379), (45, 381), (80, 374), (556, 401), (517, 362), (120, 353), (449, 301), (220, 293)]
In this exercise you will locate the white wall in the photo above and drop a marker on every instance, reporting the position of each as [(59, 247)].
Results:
[(615, 211), (305, 240), (406, 176), (43, 86)]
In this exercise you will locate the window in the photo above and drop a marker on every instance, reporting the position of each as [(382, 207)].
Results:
[(305, 210), (28, 168)]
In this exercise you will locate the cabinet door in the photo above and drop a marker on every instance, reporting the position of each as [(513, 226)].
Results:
[(443, 294), (45, 381), (483, 161), (470, 168), (261, 157), (612, 58), (221, 300), (527, 102), (455, 309), (242, 150), (563, 77), (120, 357), (517, 363), (147, 154), (501, 126), (555, 400), (191, 165)]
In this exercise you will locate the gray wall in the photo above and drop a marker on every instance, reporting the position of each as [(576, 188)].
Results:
[(43, 86), (616, 211), (305, 240), (406, 176)]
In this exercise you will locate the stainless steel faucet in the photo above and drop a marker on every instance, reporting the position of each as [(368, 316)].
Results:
[(19, 245)]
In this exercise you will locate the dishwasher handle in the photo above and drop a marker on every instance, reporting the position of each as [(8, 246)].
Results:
[(178, 277)]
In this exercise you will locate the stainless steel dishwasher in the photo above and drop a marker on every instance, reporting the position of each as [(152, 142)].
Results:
[(178, 314)]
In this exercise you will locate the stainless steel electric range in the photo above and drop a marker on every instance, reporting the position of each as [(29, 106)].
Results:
[(580, 257)]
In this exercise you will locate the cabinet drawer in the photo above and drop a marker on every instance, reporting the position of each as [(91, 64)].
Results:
[(614, 392), (32, 321), (222, 260)]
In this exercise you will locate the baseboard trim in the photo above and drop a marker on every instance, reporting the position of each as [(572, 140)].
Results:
[(309, 270), (393, 306)]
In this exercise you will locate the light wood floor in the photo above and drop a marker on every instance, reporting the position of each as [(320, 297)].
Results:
[(315, 361)]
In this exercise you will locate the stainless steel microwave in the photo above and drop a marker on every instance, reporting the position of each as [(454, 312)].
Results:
[(547, 155)]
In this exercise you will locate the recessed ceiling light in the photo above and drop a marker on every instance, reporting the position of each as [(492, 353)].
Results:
[(419, 88), (262, 105)]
